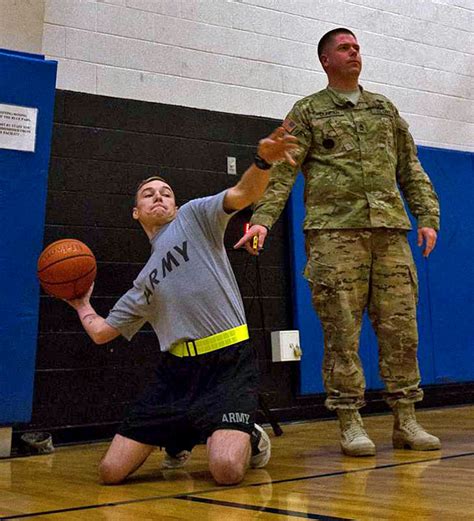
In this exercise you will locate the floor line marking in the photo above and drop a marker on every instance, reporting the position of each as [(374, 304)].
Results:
[(236, 487), (271, 510)]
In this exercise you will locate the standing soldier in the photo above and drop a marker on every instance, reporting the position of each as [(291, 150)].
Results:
[(355, 153)]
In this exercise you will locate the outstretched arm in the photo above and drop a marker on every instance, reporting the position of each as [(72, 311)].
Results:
[(278, 146), (95, 325), (268, 208)]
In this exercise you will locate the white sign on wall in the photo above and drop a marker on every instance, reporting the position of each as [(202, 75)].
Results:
[(18, 127)]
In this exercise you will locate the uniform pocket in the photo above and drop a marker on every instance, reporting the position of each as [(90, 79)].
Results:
[(333, 137), (320, 274), (397, 281), (323, 282), (414, 280)]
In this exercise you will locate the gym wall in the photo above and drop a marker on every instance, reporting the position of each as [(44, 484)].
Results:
[(257, 57), (21, 25), (177, 86), (102, 148)]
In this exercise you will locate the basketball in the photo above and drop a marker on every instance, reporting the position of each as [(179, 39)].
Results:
[(66, 269)]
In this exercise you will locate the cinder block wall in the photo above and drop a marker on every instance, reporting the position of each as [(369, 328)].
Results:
[(21, 25), (177, 86), (258, 57), (102, 148)]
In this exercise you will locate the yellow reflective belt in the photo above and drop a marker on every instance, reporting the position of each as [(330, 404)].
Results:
[(211, 343)]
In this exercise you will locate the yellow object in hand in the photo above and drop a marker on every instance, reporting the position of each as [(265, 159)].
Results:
[(255, 243)]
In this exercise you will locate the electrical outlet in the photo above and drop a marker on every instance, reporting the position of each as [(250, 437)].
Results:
[(231, 165), (286, 346)]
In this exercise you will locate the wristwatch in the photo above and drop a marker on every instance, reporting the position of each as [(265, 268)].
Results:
[(261, 163)]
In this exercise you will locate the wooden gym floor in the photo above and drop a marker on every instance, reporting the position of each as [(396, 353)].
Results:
[(307, 478)]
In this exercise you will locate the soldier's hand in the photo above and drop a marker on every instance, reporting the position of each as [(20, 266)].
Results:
[(246, 240), (428, 237), (278, 146)]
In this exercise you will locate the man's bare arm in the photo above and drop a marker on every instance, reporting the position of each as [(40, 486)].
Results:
[(279, 146), (95, 325)]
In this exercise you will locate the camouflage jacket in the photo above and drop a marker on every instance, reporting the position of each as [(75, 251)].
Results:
[(355, 160)]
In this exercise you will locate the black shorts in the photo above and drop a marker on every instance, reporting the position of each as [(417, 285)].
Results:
[(191, 397)]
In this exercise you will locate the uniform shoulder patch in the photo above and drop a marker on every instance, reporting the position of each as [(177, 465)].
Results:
[(289, 125)]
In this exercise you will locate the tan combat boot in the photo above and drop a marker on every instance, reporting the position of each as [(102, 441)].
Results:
[(354, 439), (408, 433)]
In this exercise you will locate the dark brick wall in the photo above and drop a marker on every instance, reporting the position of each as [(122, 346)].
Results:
[(102, 147)]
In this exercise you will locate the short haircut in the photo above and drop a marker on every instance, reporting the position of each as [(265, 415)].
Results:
[(327, 38), (146, 181)]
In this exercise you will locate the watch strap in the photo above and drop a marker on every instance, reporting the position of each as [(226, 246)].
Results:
[(261, 163)]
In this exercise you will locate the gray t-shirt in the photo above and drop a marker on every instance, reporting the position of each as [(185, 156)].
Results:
[(187, 289)]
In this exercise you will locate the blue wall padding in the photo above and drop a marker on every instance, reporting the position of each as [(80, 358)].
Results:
[(446, 307), (26, 80)]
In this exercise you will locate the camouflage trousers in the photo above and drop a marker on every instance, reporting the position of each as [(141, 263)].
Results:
[(351, 271)]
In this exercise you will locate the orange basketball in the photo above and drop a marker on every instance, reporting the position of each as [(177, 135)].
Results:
[(67, 268)]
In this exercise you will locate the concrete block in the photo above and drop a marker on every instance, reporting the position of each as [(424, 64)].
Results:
[(167, 7), (418, 102), (457, 16), (255, 20), (123, 52), (416, 77), (272, 50), (54, 40), (124, 22), (76, 75), (114, 2), (81, 45), (120, 83), (414, 53), (438, 132), (189, 92), (71, 13), (231, 42), (302, 83), (21, 25), (231, 70), (190, 34), (217, 12), (299, 29), (450, 15)]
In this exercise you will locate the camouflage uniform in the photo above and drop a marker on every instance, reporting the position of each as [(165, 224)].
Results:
[(354, 158)]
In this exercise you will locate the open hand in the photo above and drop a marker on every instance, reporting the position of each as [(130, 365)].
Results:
[(278, 146), (428, 236)]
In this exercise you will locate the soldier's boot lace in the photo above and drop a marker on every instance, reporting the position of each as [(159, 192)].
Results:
[(408, 433), (354, 440)]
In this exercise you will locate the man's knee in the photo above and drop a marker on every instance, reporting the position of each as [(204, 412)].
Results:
[(110, 474), (227, 470), (229, 453)]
